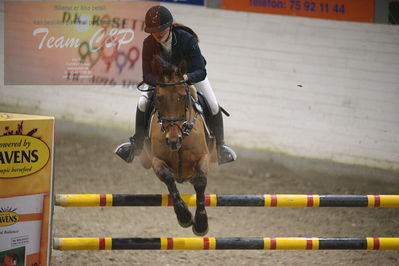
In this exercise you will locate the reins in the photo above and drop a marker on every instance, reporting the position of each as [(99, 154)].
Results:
[(143, 90), (166, 84)]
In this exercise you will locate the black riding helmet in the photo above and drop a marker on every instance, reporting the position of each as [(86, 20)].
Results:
[(157, 19)]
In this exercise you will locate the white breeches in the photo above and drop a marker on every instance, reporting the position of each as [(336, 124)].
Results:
[(144, 98), (204, 87)]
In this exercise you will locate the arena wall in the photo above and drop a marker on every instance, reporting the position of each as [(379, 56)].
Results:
[(305, 87)]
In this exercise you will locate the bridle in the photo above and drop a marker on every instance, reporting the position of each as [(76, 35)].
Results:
[(188, 123)]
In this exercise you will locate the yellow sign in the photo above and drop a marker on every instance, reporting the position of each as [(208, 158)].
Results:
[(22, 156), (26, 169)]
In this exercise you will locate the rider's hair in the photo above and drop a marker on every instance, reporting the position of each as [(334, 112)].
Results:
[(188, 29)]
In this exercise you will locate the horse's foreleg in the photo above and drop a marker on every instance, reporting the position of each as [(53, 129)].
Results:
[(200, 226), (165, 174)]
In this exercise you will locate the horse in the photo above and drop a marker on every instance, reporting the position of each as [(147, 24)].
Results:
[(177, 148)]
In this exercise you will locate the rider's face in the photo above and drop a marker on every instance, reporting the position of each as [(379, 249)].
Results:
[(161, 36)]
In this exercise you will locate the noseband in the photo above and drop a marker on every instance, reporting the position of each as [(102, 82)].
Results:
[(188, 124)]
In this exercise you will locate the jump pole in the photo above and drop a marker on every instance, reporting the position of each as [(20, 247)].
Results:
[(210, 243), (216, 200)]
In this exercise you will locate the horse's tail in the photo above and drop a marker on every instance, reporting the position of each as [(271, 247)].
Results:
[(188, 29)]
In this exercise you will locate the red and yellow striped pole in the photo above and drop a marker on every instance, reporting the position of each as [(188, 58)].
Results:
[(214, 200), (210, 243)]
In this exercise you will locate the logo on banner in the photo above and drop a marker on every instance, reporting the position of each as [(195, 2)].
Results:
[(8, 217), (22, 155)]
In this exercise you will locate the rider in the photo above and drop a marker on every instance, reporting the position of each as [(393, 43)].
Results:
[(174, 42)]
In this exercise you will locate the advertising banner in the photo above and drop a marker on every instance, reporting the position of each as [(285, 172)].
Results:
[(189, 2), (74, 43), (26, 178), (348, 10)]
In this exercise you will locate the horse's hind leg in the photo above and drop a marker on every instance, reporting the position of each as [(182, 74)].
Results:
[(165, 174), (200, 226)]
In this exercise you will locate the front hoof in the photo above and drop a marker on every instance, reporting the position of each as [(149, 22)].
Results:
[(200, 230), (184, 216), (185, 224), (200, 226)]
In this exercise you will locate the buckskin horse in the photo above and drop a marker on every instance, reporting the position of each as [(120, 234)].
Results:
[(177, 148)]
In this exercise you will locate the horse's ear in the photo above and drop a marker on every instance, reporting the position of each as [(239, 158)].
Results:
[(156, 65), (182, 67)]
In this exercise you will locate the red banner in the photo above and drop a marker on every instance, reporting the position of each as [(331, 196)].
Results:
[(349, 10)]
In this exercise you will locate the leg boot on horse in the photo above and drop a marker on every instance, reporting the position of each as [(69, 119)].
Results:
[(165, 174), (128, 150), (225, 153), (200, 225)]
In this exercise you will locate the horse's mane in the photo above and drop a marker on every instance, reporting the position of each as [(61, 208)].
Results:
[(163, 67), (166, 68)]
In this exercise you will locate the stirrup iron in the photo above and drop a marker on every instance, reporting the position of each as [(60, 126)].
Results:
[(126, 150)]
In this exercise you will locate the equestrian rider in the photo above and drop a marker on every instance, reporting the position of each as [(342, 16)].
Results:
[(174, 42)]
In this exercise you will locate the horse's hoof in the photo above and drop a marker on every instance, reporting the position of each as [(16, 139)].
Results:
[(186, 224), (202, 232), (200, 226), (184, 216)]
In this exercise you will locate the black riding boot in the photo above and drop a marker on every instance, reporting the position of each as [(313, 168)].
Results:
[(225, 153), (128, 150)]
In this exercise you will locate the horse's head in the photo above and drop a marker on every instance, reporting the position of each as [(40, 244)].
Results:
[(172, 100)]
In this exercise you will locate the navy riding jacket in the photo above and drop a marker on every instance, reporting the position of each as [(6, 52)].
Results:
[(184, 46)]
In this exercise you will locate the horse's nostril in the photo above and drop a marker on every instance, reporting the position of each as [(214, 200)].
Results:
[(174, 144)]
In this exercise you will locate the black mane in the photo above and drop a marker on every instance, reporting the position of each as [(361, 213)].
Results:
[(165, 68)]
